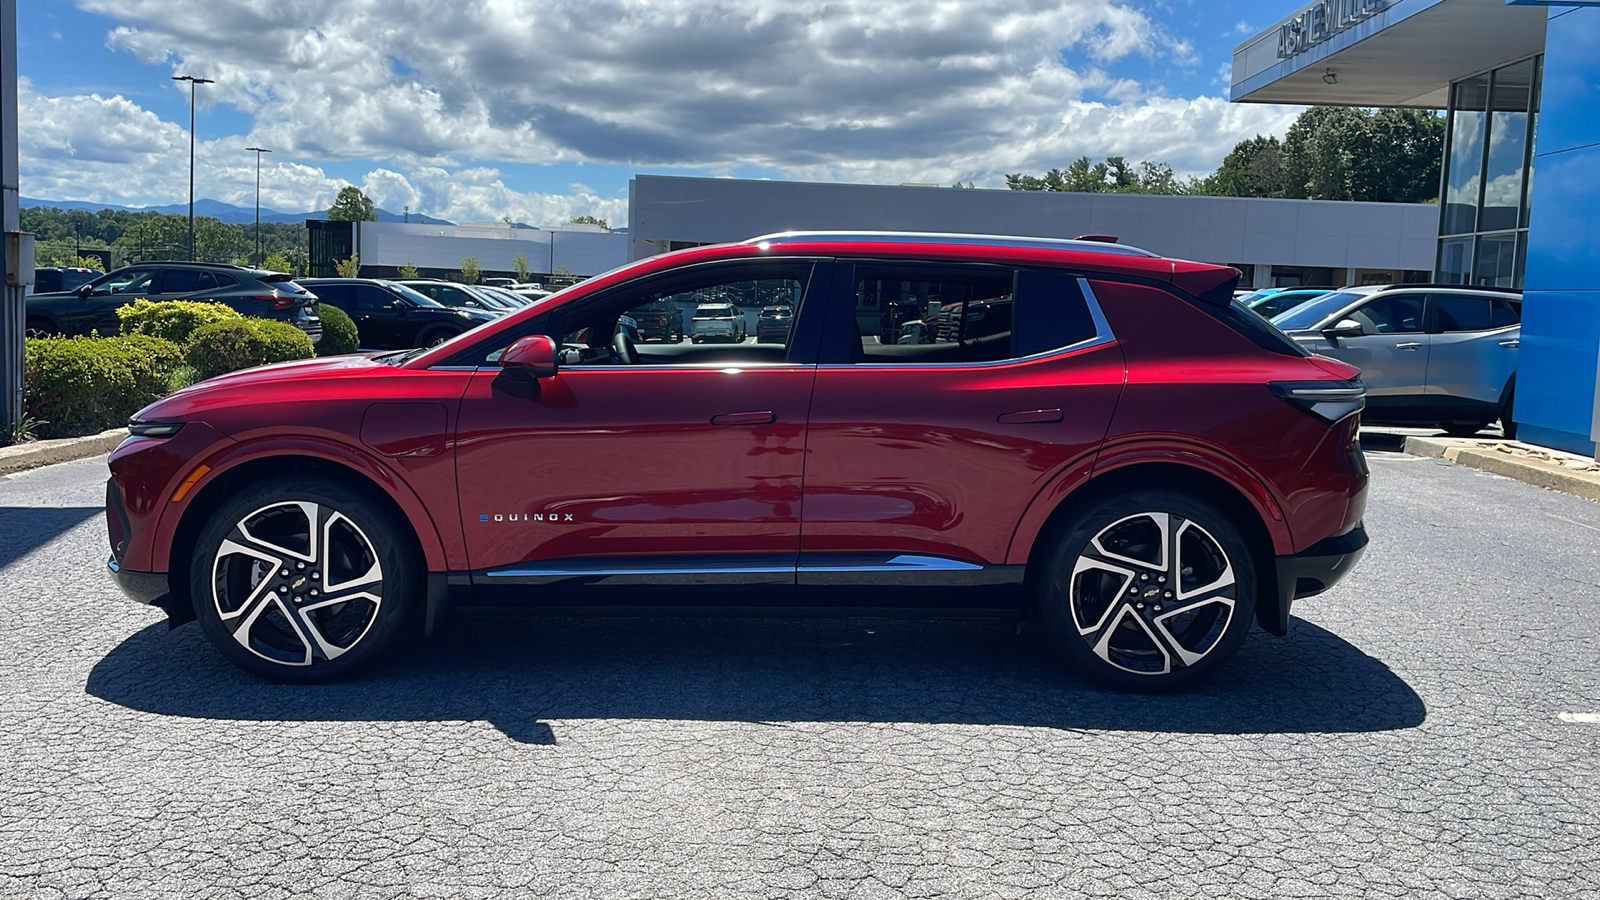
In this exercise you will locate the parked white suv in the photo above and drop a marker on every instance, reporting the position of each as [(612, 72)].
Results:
[(717, 322), (1430, 354)]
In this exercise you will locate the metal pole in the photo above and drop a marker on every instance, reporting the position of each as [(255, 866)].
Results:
[(193, 81), (259, 151), (12, 303)]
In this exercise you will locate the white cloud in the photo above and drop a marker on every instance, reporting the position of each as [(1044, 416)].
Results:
[(436, 94)]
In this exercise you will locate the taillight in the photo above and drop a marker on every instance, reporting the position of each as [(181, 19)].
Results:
[(278, 301), (1327, 400)]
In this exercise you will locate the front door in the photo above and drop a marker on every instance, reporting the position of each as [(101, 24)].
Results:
[(670, 464), (97, 311), (1474, 353), (1391, 352), (922, 457)]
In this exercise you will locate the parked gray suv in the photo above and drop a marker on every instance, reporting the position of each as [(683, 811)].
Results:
[(1431, 354)]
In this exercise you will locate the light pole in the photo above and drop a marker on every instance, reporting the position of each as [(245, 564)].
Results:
[(259, 151), (192, 82)]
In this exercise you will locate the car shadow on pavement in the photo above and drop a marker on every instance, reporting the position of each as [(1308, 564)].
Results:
[(24, 529), (521, 673)]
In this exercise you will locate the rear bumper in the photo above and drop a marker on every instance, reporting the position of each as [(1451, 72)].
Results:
[(1317, 568), (149, 588)]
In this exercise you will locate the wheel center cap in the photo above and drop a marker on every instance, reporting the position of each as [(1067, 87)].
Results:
[(1150, 593), (298, 583)]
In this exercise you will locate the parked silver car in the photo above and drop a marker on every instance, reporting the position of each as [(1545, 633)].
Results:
[(1442, 355)]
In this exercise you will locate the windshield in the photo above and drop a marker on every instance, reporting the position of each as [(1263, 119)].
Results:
[(1311, 312), (488, 297), (415, 296)]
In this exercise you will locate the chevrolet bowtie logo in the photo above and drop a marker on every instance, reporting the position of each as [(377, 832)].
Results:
[(526, 517)]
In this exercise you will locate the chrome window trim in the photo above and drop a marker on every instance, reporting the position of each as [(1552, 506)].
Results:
[(941, 237), (1102, 328)]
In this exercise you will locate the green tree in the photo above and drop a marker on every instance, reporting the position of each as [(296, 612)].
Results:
[(1339, 153), (1254, 168), (590, 220), (520, 264), (408, 271), (348, 268), (470, 271), (352, 206), (1113, 176), (277, 262)]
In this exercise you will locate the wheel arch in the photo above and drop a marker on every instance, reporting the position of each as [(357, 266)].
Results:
[(1174, 476), (227, 479)]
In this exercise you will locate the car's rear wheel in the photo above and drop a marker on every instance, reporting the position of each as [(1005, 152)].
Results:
[(1148, 591), (39, 328), (1462, 429), (304, 580)]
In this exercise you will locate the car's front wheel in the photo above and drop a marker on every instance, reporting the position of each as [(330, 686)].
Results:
[(1148, 591), (304, 580)]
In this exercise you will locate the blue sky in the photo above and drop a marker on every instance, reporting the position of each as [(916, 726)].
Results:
[(546, 112)]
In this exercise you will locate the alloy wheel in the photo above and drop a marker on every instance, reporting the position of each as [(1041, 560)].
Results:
[(297, 583), (1152, 593)]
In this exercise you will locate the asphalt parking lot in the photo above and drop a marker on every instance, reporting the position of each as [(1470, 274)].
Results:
[(1405, 740)]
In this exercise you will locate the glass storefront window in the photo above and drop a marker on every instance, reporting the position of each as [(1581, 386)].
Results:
[(1464, 164), (1496, 262), (1508, 144), (1455, 258)]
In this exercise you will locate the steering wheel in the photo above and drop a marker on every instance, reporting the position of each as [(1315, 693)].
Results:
[(622, 346)]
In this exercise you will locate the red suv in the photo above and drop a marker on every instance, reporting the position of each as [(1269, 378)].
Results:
[(1118, 450)]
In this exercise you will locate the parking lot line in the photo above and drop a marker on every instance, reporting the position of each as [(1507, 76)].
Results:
[(1580, 718)]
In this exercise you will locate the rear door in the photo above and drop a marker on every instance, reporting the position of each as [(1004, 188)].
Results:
[(1474, 347), (1392, 350), (921, 458)]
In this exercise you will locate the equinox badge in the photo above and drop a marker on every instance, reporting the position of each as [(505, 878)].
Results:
[(526, 517)]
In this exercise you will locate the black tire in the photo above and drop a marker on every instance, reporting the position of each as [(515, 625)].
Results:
[(282, 627), (1462, 429), (435, 337), (1117, 622), (35, 327), (1508, 423)]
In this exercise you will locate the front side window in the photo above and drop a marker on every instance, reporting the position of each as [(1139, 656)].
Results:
[(724, 300), (127, 281), (1398, 314)]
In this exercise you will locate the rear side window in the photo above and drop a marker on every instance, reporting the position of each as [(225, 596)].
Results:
[(921, 313), (1463, 312)]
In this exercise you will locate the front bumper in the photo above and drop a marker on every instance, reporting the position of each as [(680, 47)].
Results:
[(149, 588), (1314, 570)]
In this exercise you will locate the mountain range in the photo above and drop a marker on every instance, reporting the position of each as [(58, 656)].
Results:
[(227, 212)]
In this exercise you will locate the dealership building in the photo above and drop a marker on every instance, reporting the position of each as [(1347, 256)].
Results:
[(1520, 192), (1274, 242)]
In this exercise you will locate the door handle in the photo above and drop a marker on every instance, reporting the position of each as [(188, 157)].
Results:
[(764, 417), (1511, 344), (1408, 345), (1030, 416)]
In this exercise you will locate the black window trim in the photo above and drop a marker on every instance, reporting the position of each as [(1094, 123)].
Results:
[(1432, 314)]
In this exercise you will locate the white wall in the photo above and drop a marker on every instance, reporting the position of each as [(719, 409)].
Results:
[(581, 251), (1340, 235)]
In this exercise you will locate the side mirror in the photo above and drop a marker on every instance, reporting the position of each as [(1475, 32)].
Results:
[(532, 357), (1344, 328), (85, 290)]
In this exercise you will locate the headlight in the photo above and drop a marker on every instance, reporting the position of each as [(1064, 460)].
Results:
[(154, 429)]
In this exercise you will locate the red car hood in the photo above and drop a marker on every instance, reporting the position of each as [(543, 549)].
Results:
[(224, 388)]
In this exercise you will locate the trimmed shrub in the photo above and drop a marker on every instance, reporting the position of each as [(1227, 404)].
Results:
[(174, 320), (84, 385), (235, 344), (339, 333)]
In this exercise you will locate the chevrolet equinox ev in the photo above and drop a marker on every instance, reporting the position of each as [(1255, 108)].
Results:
[(1099, 438)]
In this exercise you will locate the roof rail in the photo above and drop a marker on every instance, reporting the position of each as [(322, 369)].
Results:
[(1452, 287), (930, 237)]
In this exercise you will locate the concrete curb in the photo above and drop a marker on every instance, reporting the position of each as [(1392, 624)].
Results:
[(1553, 470), (32, 455)]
